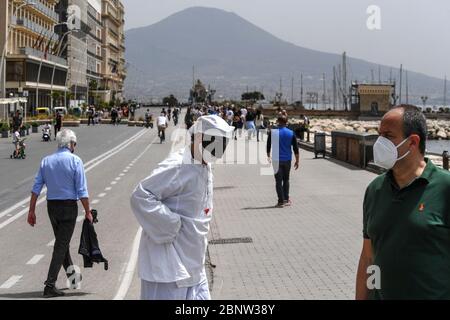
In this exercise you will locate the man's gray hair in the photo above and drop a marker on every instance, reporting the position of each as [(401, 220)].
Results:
[(65, 138)]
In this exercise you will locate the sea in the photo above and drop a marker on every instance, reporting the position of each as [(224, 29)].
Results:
[(438, 146)]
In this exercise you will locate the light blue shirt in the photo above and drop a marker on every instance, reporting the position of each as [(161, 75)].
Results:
[(63, 174)]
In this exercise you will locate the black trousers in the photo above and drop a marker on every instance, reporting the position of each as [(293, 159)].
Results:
[(91, 120), (282, 175), (57, 129), (63, 217)]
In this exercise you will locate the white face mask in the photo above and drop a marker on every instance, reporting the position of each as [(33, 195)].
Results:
[(386, 153)]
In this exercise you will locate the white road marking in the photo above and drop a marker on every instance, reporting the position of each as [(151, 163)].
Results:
[(122, 175), (87, 164), (118, 178), (52, 243), (24, 211), (108, 188), (101, 195), (95, 201), (125, 171), (129, 271), (20, 204), (35, 259), (127, 276), (114, 182), (10, 282)]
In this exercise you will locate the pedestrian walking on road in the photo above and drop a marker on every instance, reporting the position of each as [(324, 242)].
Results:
[(250, 123), (91, 116), (406, 226), (174, 206), (282, 142), (237, 124), (17, 122), (189, 118), (259, 123), (63, 174), (58, 122)]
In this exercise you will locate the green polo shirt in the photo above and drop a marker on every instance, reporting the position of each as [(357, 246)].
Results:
[(410, 234)]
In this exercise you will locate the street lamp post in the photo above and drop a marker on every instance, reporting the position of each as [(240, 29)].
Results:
[(60, 49), (5, 47), (40, 68)]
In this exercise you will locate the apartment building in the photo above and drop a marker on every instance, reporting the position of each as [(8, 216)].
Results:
[(32, 65), (63, 52), (113, 50), (74, 37), (94, 50)]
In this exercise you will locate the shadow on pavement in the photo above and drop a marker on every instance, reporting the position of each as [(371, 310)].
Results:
[(224, 188), (38, 295), (259, 208), (338, 162)]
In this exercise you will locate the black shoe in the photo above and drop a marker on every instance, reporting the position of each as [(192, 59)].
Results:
[(52, 292)]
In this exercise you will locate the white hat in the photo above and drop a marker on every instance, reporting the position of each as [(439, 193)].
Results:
[(212, 125)]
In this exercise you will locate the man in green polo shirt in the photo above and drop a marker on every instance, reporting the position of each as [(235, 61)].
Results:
[(406, 250)]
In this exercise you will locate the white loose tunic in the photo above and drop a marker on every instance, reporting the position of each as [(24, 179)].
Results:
[(174, 207)]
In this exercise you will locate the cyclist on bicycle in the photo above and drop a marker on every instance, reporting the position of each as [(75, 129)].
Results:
[(162, 123)]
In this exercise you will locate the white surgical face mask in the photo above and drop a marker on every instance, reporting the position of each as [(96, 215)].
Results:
[(386, 153)]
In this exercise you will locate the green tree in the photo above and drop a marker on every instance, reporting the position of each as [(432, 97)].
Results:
[(253, 96), (170, 100), (56, 96)]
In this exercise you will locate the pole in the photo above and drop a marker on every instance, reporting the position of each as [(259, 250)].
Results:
[(37, 82), (401, 84), (324, 97), (379, 74), (334, 88), (340, 97), (445, 91), (407, 87), (58, 53), (344, 74), (301, 89), (292, 91)]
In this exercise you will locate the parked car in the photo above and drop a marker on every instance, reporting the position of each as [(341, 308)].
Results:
[(76, 111), (43, 111), (62, 110)]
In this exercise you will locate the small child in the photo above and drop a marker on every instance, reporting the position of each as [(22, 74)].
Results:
[(16, 140)]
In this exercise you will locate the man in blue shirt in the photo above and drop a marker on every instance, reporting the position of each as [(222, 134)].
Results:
[(63, 174), (283, 141)]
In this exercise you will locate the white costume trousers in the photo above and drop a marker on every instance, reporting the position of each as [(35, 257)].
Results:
[(170, 291)]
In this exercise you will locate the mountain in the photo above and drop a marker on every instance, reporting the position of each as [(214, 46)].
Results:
[(231, 54)]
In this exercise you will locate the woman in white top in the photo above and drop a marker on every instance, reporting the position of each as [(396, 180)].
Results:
[(259, 122)]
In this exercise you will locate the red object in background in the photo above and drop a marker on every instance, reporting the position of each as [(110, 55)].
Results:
[(206, 211)]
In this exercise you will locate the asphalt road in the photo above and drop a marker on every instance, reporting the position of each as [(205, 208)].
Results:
[(116, 159)]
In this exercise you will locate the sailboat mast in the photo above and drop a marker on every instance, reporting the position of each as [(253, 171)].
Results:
[(401, 83)]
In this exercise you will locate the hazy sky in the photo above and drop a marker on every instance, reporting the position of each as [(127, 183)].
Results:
[(413, 32)]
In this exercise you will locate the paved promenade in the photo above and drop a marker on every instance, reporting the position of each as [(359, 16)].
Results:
[(307, 251)]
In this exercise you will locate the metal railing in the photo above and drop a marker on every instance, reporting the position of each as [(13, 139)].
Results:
[(33, 52), (45, 10), (26, 23)]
